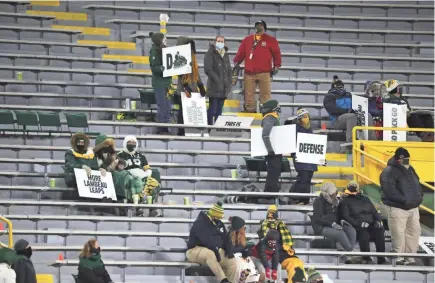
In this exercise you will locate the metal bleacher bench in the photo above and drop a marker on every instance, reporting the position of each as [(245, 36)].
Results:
[(41, 30), (41, 18), (49, 44), (65, 84)]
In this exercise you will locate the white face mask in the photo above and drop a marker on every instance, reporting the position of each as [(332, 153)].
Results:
[(164, 41), (220, 45)]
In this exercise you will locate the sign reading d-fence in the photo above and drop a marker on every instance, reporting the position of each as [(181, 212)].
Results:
[(311, 148), (94, 186), (177, 60)]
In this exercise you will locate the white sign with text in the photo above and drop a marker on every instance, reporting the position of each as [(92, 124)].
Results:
[(311, 148), (194, 113), (177, 60), (361, 104), (94, 186), (233, 122), (427, 244), (395, 117), (282, 138)]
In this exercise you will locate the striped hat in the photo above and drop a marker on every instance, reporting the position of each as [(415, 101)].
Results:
[(216, 211), (301, 112)]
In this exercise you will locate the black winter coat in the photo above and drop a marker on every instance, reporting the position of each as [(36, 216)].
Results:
[(96, 275), (357, 209), (324, 214), (400, 186), (205, 233), (303, 166), (24, 270), (219, 72)]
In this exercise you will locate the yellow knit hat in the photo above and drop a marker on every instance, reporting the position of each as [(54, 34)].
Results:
[(272, 208), (216, 211)]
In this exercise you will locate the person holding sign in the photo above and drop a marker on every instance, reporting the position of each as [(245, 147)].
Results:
[(402, 195), (358, 210), (161, 85), (190, 82), (338, 104), (217, 67), (79, 156), (305, 170), (259, 51), (270, 110)]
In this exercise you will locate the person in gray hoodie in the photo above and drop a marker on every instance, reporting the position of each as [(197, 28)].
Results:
[(218, 70), (23, 266)]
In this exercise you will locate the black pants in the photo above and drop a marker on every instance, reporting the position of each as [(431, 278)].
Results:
[(302, 185), (420, 121), (180, 119), (273, 173), (366, 235)]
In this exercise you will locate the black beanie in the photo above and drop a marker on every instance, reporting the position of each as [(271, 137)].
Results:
[(272, 235), (236, 222), (263, 23), (401, 153)]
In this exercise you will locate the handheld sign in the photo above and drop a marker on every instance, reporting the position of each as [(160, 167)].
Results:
[(361, 104), (234, 122), (311, 148), (194, 113), (282, 138), (96, 186), (395, 117), (427, 244), (177, 60)]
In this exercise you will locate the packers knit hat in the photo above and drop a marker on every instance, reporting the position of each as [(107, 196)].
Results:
[(216, 211), (272, 208), (272, 212), (401, 152), (313, 276), (236, 222), (301, 112), (352, 186)]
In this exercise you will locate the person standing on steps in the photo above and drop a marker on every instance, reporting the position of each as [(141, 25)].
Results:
[(401, 196), (217, 67), (270, 110), (262, 57), (305, 170), (161, 85)]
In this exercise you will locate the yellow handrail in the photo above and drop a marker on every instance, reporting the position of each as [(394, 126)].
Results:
[(357, 154), (10, 238)]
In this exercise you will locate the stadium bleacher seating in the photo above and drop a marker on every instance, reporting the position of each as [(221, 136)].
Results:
[(78, 62)]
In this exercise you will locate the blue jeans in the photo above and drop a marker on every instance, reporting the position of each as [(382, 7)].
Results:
[(215, 106), (164, 105)]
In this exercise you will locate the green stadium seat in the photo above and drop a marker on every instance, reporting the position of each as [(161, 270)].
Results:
[(7, 118), (147, 97), (49, 119), (79, 120), (26, 118)]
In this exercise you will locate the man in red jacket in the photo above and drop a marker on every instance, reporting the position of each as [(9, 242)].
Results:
[(258, 51)]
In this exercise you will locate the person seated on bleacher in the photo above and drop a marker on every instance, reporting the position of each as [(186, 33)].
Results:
[(287, 257), (357, 210), (104, 148), (246, 270), (265, 255), (188, 83), (305, 170), (270, 110), (210, 244), (7, 258), (91, 267), (326, 220), (338, 104), (401, 195), (23, 266), (420, 119), (136, 162), (79, 156)]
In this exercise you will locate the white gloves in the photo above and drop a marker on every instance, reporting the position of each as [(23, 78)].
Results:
[(148, 173), (87, 169)]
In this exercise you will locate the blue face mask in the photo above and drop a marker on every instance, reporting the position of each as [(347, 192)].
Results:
[(220, 45)]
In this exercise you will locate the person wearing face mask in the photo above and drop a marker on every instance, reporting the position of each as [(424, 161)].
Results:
[(338, 104), (23, 266), (265, 255), (79, 156), (217, 67), (161, 85), (104, 147), (305, 170), (262, 57), (401, 195), (91, 267), (326, 220)]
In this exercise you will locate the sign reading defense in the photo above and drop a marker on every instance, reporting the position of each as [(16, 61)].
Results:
[(194, 113), (282, 138), (177, 60), (233, 122), (311, 148), (361, 105), (96, 186), (395, 117)]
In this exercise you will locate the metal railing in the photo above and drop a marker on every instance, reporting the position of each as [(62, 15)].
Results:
[(357, 153), (10, 231)]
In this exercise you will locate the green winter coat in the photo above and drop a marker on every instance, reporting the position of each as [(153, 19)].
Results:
[(156, 62), (126, 185), (8, 256)]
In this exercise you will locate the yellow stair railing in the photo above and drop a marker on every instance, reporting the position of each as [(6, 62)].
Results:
[(10, 238), (358, 153)]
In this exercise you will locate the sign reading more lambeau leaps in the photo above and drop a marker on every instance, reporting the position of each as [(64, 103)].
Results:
[(233, 122), (194, 113), (361, 104), (394, 117), (94, 186), (282, 138), (177, 60), (311, 148)]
